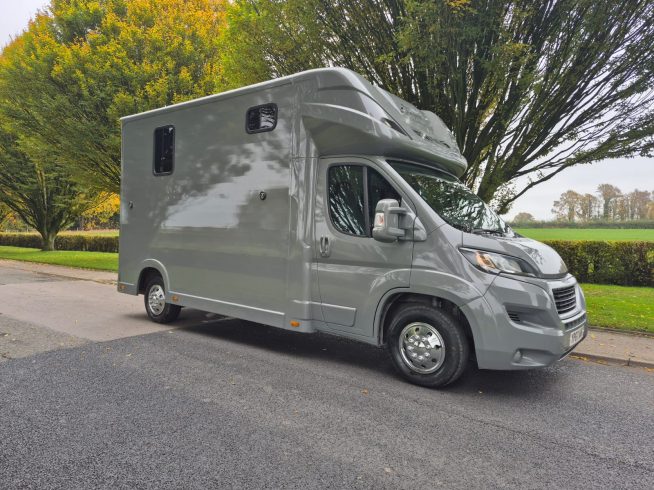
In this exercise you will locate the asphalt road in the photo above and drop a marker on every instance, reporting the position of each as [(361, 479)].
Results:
[(224, 403)]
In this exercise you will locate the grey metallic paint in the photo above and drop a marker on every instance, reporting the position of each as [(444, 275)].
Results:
[(219, 247)]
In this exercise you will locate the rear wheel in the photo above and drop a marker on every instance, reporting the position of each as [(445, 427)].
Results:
[(427, 345), (155, 302)]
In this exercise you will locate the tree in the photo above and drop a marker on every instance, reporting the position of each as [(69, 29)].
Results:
[(5, 214), (107, 207), (650, 208), (524, 218), (40, 193), (83, 64), (588, 207), (528, 88), (638, 202), (609, 193), (568, 206)]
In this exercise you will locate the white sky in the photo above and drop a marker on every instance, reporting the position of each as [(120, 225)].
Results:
[(627, 174)]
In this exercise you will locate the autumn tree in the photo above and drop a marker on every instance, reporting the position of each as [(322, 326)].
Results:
[(650, 208), (568, 206), (524, 217), (106, 207), (638, 203), (588, 207), (83, 64), (528, 88), (609, 194)]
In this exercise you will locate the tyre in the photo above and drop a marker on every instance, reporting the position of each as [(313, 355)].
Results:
[(155, 302), (428, 346)]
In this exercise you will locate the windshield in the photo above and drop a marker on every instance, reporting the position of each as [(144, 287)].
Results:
[(452, 200)]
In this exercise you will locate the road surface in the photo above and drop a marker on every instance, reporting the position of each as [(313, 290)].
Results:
[(94, 395)]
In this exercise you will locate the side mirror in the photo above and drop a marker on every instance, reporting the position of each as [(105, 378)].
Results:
[(386, 227)]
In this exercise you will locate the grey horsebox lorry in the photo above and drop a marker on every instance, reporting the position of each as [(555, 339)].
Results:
[(319, 202)]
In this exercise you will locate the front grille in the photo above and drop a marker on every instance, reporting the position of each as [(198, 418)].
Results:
[(565, 299), (576, 322)]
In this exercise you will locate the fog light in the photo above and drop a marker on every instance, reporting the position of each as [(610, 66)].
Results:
[(517, 357)]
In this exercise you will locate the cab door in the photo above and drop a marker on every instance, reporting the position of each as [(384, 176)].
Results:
[(354, 270)]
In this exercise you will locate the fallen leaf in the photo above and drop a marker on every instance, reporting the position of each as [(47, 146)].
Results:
[(364, 391)]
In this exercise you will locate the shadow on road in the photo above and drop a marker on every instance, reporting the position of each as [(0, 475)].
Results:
[(329, 349)]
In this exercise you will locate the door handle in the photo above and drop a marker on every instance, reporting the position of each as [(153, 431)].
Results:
[(324, 246)]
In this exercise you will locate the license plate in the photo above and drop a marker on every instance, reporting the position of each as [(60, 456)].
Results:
[(576, 336)]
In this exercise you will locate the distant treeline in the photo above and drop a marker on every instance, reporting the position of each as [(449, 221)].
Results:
[(609, 204)]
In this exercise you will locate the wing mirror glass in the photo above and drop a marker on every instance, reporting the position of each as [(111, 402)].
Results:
[(386, 227)]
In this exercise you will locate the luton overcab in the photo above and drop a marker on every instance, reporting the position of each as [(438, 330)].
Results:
[(319, 202)]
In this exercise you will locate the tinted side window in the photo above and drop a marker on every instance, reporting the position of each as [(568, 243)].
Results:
[(261, 118), (346, 199), (164, 150), (378, 189)]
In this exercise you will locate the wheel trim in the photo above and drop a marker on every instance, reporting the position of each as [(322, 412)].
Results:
[(422, 348), (156, 299)]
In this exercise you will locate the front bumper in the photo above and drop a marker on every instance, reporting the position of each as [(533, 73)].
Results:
[(516, 325)]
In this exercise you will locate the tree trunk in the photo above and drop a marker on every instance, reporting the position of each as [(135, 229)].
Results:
[(48, 241)]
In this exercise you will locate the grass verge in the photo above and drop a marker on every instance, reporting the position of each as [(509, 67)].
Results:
[(621, 307), (85, 260)]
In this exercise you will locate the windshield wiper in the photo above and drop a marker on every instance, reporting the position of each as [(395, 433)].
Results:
[(492, 231)]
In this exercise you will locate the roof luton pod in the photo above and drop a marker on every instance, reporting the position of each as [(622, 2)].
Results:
[(319, 202)]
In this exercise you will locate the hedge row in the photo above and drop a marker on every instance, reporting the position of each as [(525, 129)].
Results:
[(621, 263), (632, 224), (84, 243)]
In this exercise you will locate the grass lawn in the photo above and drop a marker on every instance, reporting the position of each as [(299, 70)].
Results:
[(626, 308), (611, 234), (85, 260)]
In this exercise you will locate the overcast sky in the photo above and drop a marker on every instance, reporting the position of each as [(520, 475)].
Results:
[(627, 174)]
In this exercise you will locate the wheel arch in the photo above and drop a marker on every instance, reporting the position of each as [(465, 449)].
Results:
[(396, 299), (149, 268)]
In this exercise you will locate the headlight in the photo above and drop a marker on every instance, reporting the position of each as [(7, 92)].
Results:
[(495, 263)]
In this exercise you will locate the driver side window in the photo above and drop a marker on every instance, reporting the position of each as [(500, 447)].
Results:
[(353, 193)]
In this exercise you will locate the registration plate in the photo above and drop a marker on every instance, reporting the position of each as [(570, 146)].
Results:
[(576, 336)]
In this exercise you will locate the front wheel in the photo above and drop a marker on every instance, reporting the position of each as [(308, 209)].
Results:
[(427, 346), (155, 302)]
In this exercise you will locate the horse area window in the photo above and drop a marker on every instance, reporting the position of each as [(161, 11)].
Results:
[(261, 118)]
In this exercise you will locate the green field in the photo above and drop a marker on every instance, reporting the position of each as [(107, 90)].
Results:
[(588, 234), (85, 260)]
